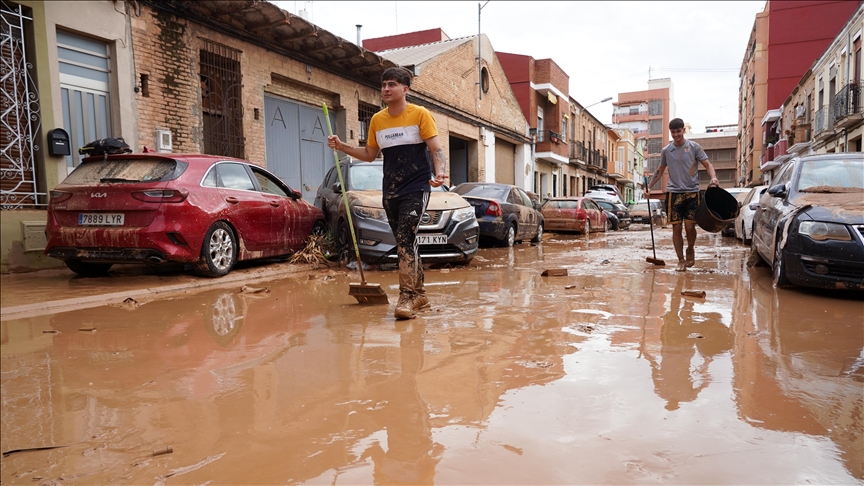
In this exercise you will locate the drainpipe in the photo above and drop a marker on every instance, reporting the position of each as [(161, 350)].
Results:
[(358, 35)]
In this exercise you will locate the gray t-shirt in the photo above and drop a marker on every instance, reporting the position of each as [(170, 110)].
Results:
[(682, 165)]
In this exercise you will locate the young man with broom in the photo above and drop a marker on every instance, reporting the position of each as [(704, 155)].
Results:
[(682, 157), (403, 132)]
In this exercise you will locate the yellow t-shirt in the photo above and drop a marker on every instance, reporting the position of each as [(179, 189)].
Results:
[(402, 139)]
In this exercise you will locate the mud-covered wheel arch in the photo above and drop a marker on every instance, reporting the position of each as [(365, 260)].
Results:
[(88, 269), (219, 251)]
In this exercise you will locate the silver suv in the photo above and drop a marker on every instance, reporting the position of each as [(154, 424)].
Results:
[(448, 230)]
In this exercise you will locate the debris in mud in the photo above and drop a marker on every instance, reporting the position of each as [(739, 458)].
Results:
[(87, 329), (130, 303), (164, 450), (554, 272), (605, 262), (586, 328), (50, 331), (318, 249), (568, 287), (28, 449), (254, 290), (693, 293), (695, 335)]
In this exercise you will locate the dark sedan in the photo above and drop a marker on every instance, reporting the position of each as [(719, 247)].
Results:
[(622, 214), (506, 213), (810, 223)]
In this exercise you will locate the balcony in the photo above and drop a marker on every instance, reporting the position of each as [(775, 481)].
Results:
[(847, 106), (551, 147), (823, 121)]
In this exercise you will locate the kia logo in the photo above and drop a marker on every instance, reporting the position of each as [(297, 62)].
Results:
[(99, 194), (425, 219)]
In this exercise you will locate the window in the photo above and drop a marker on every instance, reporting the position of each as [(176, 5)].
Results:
[(655, 107), (268, 184), (234, 176), (364, 116), (655, 145), (655, 127), (564, 128), (539, 124), (221, 103)]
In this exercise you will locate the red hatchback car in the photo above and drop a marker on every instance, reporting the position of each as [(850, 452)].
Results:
[(152, 208), (579, 214)]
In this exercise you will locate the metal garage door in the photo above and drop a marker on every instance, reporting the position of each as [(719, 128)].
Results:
[(505, 162), (297, 144)]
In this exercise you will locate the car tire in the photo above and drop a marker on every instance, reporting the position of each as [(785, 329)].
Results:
[(218, 251), (539, 236), (343, 236), (778, 268), (607, 227), (587, 227), (510, 236), (319, 228), (88, 269)]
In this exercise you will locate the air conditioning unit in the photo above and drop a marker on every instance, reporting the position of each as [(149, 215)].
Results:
[(163, 141)]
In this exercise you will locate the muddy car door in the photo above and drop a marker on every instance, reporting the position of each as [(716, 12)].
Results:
[(248, 210), (523, 217)]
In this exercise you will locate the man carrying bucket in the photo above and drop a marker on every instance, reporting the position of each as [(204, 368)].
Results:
[(682, 157)]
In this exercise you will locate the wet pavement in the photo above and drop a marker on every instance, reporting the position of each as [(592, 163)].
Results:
[(605, 376)]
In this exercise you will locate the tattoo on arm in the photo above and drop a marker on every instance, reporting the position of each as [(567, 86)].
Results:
[(441, 161)]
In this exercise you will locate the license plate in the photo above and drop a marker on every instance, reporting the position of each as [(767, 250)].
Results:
[(100, 219), (431, 239)]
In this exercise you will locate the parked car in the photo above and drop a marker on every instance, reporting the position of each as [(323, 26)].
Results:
[(506, 213), (809, 223), (604, 195), (580, 214), (620, 211), (610, 189), (639, 212), (740, 193), (152, 208), (612, 222), (448, 231), (744, 221)]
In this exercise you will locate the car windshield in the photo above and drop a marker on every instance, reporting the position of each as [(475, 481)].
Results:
[(643, 206), (124, 170), (831, 175), (367, 177), (482, 190)]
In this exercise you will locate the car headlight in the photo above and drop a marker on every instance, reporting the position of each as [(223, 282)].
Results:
[(370, 213), (820, 231), (463, 214)]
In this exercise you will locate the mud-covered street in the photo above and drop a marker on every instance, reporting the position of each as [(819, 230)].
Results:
[(606, 375)]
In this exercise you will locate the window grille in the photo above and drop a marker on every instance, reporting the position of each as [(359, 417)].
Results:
[(364, 116), (655, 107), (655, 145), (221, 100), (655, 127)]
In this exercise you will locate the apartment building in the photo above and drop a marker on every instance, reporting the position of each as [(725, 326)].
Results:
[(720, 144), (628, 164), (787, 36), (824, 111), (647, 114), (589, 149)]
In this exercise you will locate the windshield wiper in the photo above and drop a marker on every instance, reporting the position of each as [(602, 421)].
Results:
[(116, 179)]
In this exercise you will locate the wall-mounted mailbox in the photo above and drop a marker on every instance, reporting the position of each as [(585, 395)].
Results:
[(58, 142)]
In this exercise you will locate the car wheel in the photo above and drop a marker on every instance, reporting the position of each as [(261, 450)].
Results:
[(510, 236), (539, 236), (778, 269), (218, 252), (608, 226), (319, 228), (88, 269)]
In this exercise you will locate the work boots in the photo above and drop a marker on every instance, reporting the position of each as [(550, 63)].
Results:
[(420, 301), (405, 307)]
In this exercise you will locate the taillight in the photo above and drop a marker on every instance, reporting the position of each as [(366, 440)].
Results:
[(494, 209), (59, 196), (161, 195)]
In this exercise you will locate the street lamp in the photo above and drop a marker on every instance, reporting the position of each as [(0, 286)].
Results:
[(604, 100)]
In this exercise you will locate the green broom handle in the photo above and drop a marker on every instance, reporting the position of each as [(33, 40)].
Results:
[(345, 198)]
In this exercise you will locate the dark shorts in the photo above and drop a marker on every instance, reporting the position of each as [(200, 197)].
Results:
[(681, 206)]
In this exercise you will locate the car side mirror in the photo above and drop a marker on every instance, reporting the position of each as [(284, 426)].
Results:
[(295, 194), (754, 206), (337, 188), (778, 191)]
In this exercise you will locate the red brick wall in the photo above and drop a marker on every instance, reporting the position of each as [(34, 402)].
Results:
[(404, 40)]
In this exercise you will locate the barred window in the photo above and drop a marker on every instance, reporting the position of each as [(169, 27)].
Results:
[(655, 145), (655, 107), (221, 102), (655, 127), (364, 116)]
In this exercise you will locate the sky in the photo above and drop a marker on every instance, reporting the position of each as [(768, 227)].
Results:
[(605, 47)]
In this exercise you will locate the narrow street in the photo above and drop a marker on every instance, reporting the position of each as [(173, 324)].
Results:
[(607, 375)]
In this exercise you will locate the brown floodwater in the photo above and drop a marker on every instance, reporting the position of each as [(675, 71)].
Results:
[(605, 376)]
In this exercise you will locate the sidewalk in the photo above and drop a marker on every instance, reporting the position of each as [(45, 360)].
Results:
[(50, 291)]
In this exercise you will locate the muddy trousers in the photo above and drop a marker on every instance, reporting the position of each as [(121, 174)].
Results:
[(403, 214)]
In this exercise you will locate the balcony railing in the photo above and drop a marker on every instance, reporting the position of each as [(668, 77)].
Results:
[(847, 103), (823, 120), (549, 136)]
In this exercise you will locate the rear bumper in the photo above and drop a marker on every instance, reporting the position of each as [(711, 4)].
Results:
[(119, 245), (109, 255)]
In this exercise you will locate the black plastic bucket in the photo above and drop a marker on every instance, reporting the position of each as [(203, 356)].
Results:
[(717, 209)]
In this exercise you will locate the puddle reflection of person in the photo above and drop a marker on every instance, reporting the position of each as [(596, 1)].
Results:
[(675, 379), (411, 455)]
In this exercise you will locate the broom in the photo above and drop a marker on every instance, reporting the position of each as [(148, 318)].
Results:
[(365, 293), (655, 260)]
